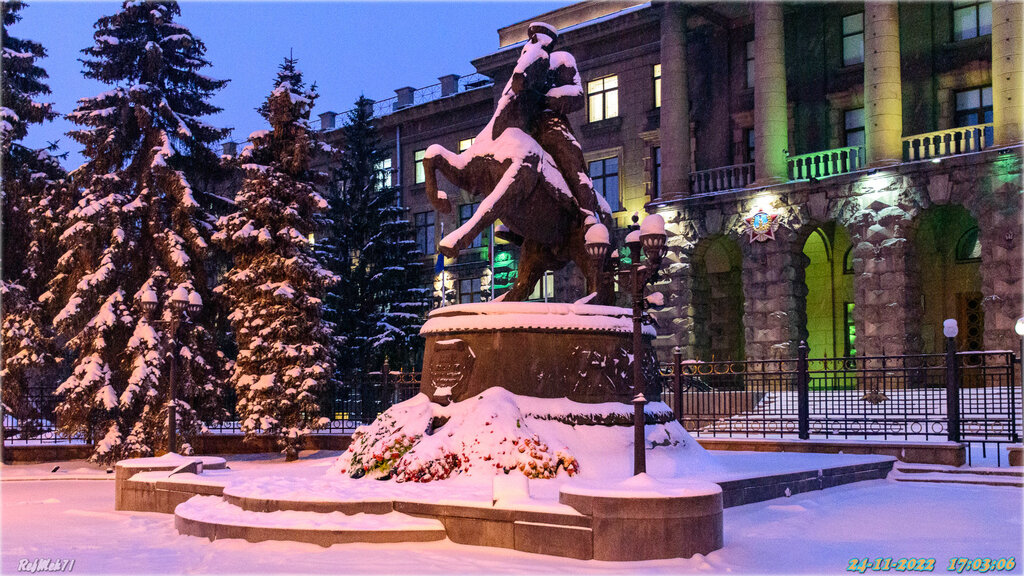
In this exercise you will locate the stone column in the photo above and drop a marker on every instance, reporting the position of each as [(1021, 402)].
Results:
[(883, 94), (771, 124), (675, 104), (887, 291), (1008, 71), (1002, 266), (774, 297)]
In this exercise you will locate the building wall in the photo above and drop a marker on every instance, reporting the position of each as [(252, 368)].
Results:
[(877, 211)]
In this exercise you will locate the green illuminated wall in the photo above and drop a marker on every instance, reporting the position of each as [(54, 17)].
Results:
[(829, 289)]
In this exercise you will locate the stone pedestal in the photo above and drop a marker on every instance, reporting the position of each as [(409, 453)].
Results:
[(643, 519), (580, 352)]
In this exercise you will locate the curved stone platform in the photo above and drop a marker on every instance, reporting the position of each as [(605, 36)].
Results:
[(214, 518), (643, 519), (350, 507), (638, 518)]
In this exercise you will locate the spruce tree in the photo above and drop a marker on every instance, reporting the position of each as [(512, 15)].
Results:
[(32, 194), (276, 286), (379, 302), (137, 231)]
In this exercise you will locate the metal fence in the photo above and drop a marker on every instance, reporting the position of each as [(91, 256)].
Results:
[(865, 397), (31, 421), (346, 407), (906, 398)]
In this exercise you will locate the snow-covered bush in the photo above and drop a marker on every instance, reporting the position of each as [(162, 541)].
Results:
[(419, 441)]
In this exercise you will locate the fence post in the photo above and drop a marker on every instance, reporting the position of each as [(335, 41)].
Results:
[(803, 382), (3, 434), (1013, 400), (677, 382), (952, 389), (385, 392)]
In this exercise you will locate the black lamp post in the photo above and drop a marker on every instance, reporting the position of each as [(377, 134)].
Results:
[(651, 238), (181, 299)]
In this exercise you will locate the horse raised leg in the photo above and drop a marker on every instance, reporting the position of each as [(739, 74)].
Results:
[(437, 158)]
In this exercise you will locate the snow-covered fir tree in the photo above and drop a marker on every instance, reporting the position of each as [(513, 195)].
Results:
[(137, 230), (378, 305), (276, 286), (32, 194)]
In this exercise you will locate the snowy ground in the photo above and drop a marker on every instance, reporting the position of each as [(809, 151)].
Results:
[(816, 532)]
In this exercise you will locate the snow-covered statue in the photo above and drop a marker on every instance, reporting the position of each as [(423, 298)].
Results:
[(530, 167)]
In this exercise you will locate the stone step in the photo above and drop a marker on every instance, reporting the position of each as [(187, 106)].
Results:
[(1010, 471), (215, 518), (245, 501), (959, 478)]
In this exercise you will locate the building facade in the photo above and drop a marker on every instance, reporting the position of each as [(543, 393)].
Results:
[(848, 174)]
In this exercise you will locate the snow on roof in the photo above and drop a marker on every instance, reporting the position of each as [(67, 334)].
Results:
[(582, 25)]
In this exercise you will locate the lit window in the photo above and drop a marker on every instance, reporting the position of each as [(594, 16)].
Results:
[(604, 174), (469, 291), (850, 344), (383, 169), (749, 148), (974, 106), (750, 64), (425, 232), (968, 248), (657, 85), (656, 173), (465, 144), (465, 213), (421, 175), (603, 98), (853, 39), (854, 127), (545, 289), (971, 19)]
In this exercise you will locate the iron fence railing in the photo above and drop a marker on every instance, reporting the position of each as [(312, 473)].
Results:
[(908, 397), (905, 398), (346, 407)]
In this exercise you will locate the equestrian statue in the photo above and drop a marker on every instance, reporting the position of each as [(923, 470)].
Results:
[(529, 168)]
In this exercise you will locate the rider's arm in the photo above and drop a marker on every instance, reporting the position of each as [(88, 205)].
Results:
[(566, 93)]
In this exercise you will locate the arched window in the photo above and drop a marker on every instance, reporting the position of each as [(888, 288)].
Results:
[(968, 248), (848, 261)]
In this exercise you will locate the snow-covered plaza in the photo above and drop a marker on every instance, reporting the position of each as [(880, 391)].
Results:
[(68, 514)]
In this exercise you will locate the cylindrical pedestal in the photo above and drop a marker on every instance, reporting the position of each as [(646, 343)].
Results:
[(580, 352), (631, 521)]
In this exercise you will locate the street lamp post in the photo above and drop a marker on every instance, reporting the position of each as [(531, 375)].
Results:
[(181, 299), (651, 238), (950, 331), (1019, 329)]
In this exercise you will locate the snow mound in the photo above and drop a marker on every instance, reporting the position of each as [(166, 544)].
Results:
[(500, 432)]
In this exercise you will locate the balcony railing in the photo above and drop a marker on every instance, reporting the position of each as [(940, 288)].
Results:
[(720, 179), (947, 142), (825, 163)]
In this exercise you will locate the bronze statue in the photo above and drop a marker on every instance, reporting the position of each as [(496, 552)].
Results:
[(530, 167)]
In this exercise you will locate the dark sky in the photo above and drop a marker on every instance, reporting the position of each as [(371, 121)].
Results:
[(348, 48)]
